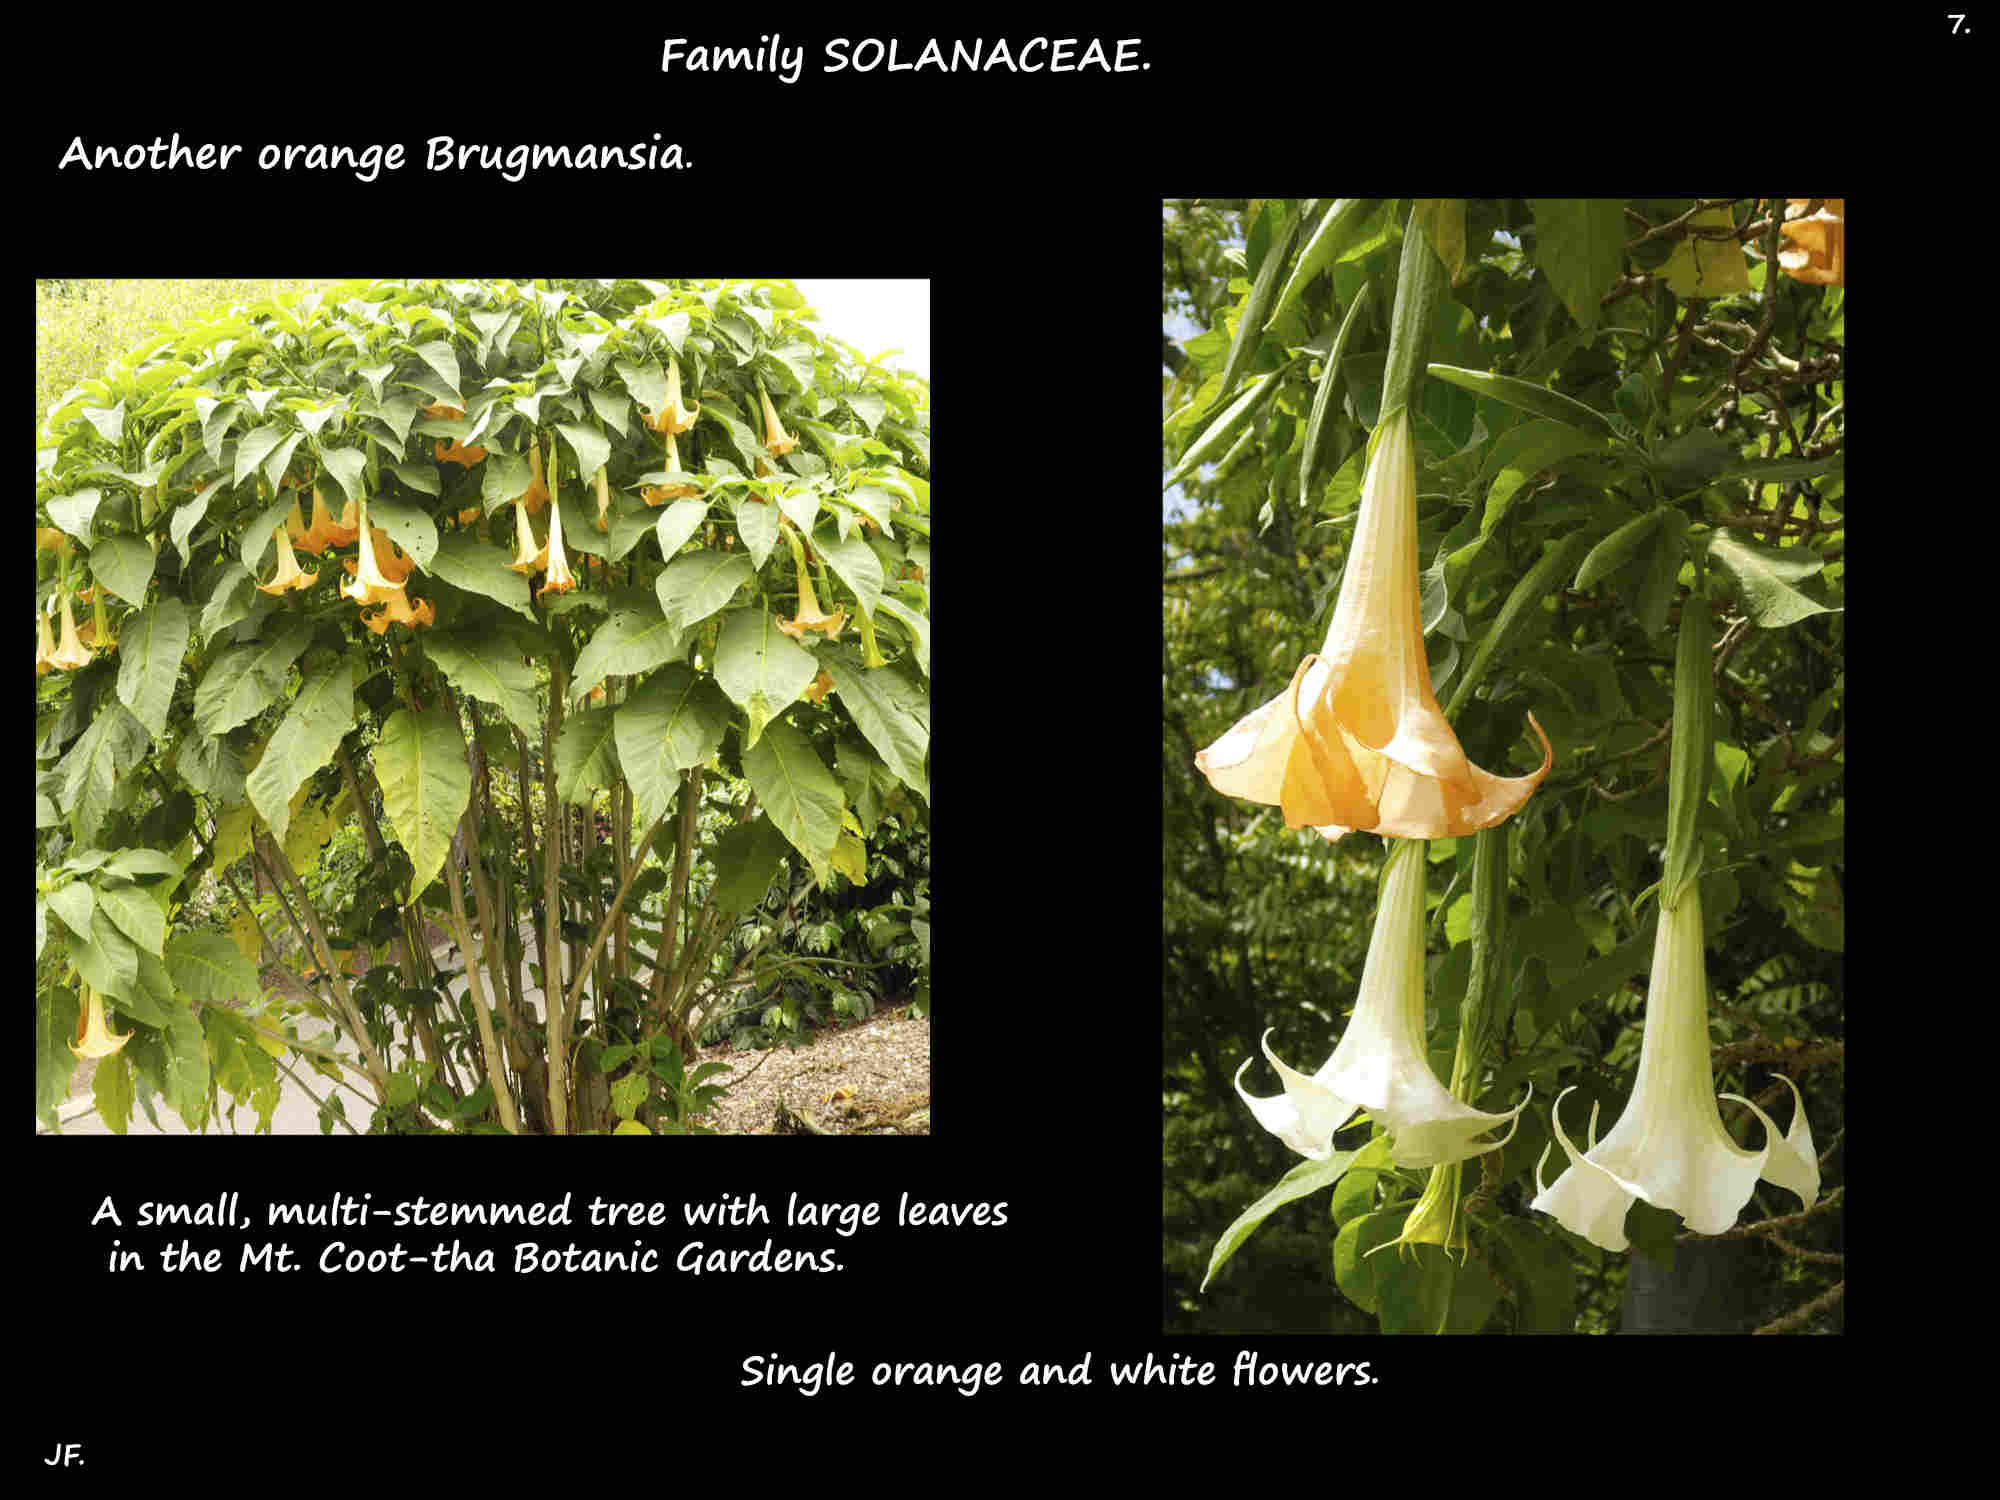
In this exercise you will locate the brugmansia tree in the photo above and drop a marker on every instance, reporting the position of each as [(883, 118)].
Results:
[(1502, 537), (601, 608)]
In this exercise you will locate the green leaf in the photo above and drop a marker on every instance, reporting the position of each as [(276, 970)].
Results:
[(76, 904), (491, 670), (1527, 396), (693, 587), (124, 565), (1343, 225), (208, 967), (1763, 578), (1353, 1267), (87, 777), (797, 791), (136, 914), (187, 515), (1619, 548), (187, 1069), (111, 1088), (245, 680), (1580, 245), (1526, 451), (1539, 581), (679, 521), (589, 446), (746, 858), (1433, 1293), (1700, 267), (55, 1028), (637, 638), (890, 710), (674, 722), (918, 626), (856, 564), (586, 754), (1306, 1177), (149, 662), (1256, 302), (420, 762), (1212, 443), (312, 729), (479, 567), (229, 601), (757, 526), (108, 963), (761, 668)]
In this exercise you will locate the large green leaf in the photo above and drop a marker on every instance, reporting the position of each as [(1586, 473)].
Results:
[(856, 563), (426, 783), (679, 521), (108, 963), (674, 722), (111, 1091), (761, 667), (149, 662), (491, 670), (1580, 245), (757, 525), (746, 858), (480, 567), (245, 680), (1541, 1275), (919, 627), (76, 903), (228, 601), (208, 967), (893, 712), (55, 1029), (797, 791), (693, 587), (187, 1069), (87, 777), (136, 914), (321, 714), (1764, 576), (1526, 395), (1306, 1177), (586, 754), (637, 638), (124, 565)]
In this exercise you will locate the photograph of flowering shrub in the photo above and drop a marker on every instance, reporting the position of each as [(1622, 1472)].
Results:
[(1503, 566)]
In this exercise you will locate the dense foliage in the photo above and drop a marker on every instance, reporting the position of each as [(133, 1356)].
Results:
[(576, 631), (1666, 403)]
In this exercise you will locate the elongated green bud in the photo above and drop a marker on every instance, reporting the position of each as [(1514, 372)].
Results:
[(1420, 285)]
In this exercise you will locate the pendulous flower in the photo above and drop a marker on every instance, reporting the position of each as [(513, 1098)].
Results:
[(559, 579), (71, 652), (1669, 1146), (659, 494), (673, 417), (289, 574), (325, 532), (369, 586), (93, 1036), (1358, 740), (1816, 251), (779, 441), (1381, 1064)]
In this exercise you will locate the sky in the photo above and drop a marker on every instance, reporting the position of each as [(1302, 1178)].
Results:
[(876, 315)]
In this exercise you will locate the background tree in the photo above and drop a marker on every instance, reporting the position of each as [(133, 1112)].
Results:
[(1690, 408)]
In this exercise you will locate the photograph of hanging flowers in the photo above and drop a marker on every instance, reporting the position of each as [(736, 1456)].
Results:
[(1503, 751)]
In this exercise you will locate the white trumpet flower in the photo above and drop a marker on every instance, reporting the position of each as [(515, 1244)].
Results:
[(1381, 1064), (1669, 1146)]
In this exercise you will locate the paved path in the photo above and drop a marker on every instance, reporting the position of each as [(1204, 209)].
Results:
[(296, 1114)]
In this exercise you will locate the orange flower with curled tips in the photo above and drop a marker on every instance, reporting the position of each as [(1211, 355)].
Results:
[(819, 688), (810, 616), (536, 495), (1817, 251), (559, 580), (93, 1033), (289, 575), (1358, 739), (397, 610), (673, 417), (528, 558), (779, 441), (368, 586), (45, 645), (458, 453), (71, 653), (391, 561), (326, 532)]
